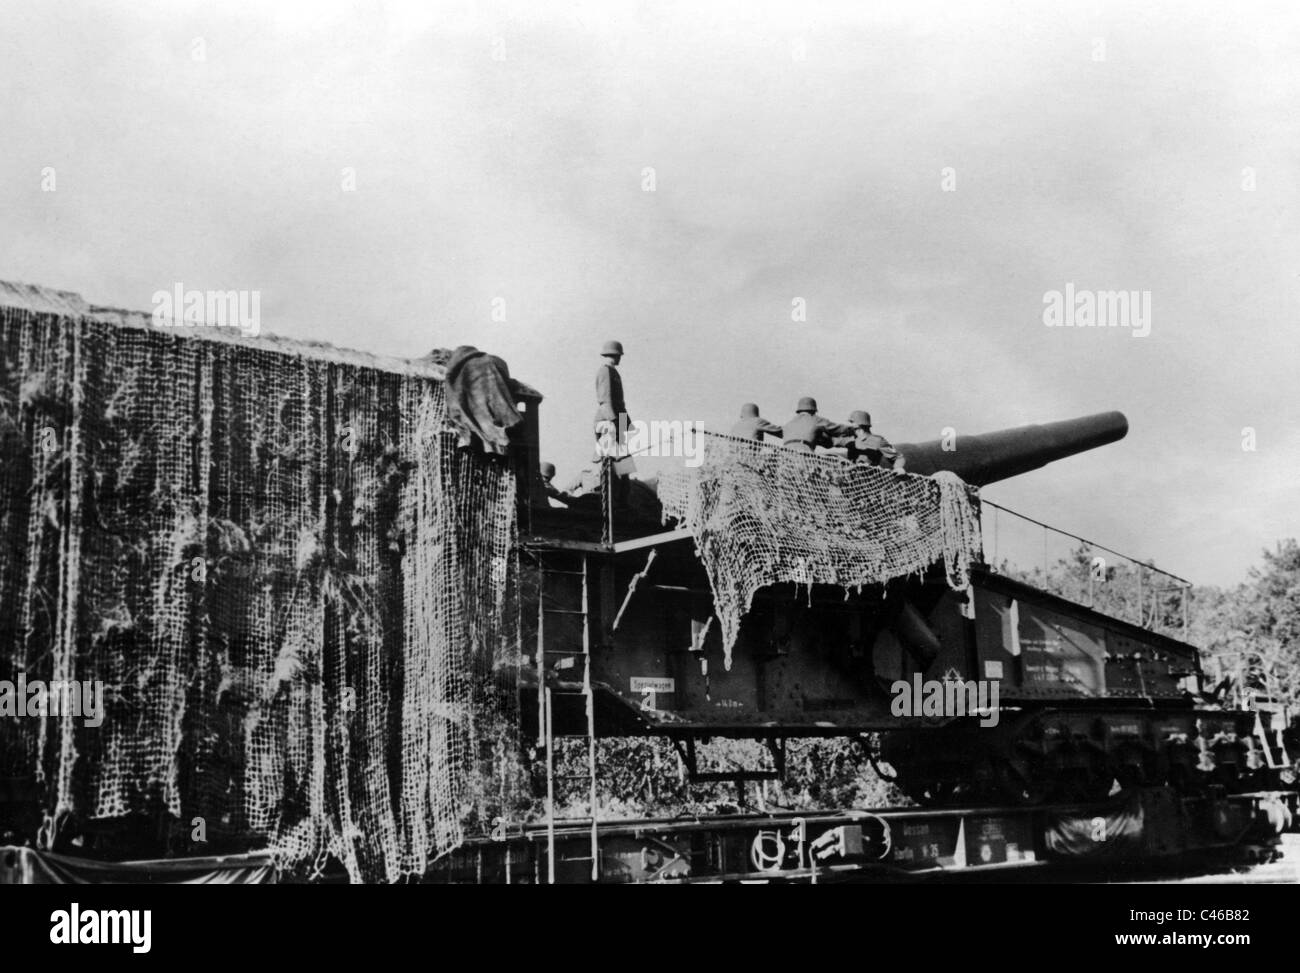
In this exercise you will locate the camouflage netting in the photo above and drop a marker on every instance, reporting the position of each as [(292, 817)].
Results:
[(763, 515), (298, 593)]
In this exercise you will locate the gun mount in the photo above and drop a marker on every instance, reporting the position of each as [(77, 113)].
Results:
[(1084, 698)]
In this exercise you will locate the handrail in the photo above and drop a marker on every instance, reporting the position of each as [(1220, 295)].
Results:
[(1175, 582), (1083, 540)]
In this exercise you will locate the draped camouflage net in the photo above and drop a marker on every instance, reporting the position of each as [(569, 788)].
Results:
[(298, 595), (763, 515)]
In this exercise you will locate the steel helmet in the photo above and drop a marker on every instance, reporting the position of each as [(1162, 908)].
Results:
[(859, 418), (548, 470), (749, 411), (806, 404), (612, 348)]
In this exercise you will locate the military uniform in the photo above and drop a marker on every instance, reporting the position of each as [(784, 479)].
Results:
[(807, 430), (612, 421), (609, 407), (609, 394), (754, 427), (545, 488), (869, 449), (553, 492)]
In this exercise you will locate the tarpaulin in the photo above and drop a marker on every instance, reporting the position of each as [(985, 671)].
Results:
[(1115, 831), (27, 866), (479, 401)]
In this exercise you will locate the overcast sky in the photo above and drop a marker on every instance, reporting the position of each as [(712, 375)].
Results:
[(798, 151)]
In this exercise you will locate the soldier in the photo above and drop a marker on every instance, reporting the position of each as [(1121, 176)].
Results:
[(807, 430), (548, 487), (612, 420), (865, 447), (752, 425), (611, 410)]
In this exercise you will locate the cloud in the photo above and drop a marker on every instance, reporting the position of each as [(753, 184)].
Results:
[(500, 152)]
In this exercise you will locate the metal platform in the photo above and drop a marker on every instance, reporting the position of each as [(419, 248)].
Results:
[(1128, 830)]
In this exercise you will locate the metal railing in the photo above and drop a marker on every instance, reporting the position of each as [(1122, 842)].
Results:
[(1084, 571)]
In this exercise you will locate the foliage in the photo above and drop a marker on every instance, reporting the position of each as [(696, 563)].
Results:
[(1248, 634), (645, 777), (1251, 632)]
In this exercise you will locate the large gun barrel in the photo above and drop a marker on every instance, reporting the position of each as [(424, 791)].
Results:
[(995, 456)]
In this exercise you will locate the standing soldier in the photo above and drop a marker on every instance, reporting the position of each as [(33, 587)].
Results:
[(752, 425), (611, 410), (865, 447), (807, 430), (612, 422)]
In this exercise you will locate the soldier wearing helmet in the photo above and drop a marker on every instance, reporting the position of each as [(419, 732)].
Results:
[(865, 447), (547, 487), (807, 430), (752, 425), (611, 410)]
